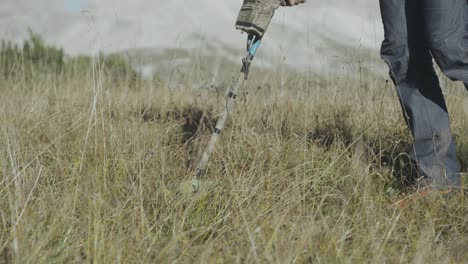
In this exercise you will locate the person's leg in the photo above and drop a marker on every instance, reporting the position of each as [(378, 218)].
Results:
[(405, 51), (446, 30)]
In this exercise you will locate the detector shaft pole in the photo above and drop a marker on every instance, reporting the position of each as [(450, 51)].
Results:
[(253, 44)]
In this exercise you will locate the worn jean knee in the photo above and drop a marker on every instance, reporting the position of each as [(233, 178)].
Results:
[(394, 49), (446, 31), (395, 54), (451, 57)]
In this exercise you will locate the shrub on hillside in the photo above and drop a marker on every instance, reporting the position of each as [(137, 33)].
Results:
[(35, 58)]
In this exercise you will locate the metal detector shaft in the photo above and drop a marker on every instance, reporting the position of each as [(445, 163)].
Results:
[(253, 42)]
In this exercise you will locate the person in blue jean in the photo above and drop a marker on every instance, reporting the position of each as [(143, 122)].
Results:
[(416, 32)]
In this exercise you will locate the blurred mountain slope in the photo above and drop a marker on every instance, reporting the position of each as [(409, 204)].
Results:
[(304, 37)]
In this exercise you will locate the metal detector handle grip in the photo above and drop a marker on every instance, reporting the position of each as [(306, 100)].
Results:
[(253, 43)]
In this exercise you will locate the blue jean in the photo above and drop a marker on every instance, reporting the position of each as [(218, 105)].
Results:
[(416, 32)]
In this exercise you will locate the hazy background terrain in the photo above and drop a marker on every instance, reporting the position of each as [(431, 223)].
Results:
[(320, 35)]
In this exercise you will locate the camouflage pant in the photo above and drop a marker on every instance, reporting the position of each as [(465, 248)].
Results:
[(417, 31)]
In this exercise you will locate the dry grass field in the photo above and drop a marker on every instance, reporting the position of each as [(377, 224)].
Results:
[(306, 172)]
